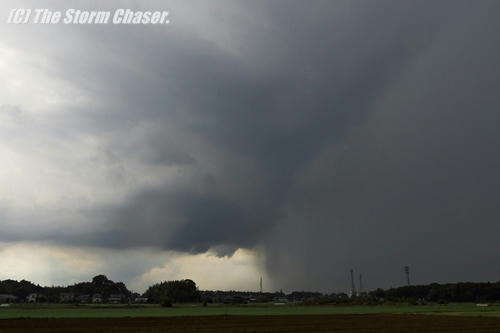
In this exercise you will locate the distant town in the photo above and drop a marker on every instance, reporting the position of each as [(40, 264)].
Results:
[(103, 290)]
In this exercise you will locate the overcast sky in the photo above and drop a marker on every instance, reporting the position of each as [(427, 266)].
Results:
[(289, 139)]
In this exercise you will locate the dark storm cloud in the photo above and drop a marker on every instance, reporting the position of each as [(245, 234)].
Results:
[(413, 184), (179, 220), (278, 110), (329, 134)]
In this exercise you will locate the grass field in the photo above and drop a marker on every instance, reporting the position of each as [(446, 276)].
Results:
[(53, 318), (119, 311)]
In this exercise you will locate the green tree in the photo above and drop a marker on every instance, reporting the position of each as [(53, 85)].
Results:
[(179, 291)]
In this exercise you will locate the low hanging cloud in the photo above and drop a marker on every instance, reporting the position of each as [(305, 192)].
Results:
[(324, 135)]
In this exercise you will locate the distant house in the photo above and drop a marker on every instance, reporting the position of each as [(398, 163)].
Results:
[(31, 298), (8, 298), (83, 298), (281, 300), (118, 298), (66, 297), (96, 298), (141, 300), (35, 298)]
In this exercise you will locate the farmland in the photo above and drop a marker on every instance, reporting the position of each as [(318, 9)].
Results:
[(458, 317), (249, 324), (120, 311)]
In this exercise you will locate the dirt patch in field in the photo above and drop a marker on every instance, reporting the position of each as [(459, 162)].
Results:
[(251, 324)]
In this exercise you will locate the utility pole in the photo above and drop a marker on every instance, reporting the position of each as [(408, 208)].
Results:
[(353, 287), (407, 272), (260, 284)]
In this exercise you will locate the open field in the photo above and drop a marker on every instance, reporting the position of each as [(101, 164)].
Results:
[(250, 324), (120, 311), (249, 318)]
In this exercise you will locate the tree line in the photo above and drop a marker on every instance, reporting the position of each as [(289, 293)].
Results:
[(176, 291), (100, 284), (478, 292), (181, 291), (440, 293)]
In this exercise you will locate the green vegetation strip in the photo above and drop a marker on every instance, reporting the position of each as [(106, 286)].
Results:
[(117, 311)]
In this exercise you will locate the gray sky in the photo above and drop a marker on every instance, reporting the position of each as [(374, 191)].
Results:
[(289, 139)]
